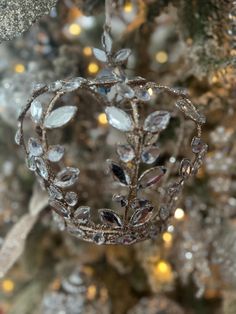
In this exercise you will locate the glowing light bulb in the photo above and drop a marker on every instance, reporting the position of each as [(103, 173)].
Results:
[(102, 118), (19, 68), (214, 79), (8, 285), (179, 213), (128, 7), (74, 29), (161, 57), (87, 51), (93, 68), (167, 237), (163, 271), (91, 292)]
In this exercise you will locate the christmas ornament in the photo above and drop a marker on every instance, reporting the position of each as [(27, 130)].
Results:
[(148, 194)]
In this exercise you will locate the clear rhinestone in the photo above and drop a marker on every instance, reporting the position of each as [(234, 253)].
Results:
[(149, 155), (30, 163), (197, 145), (119, 119), (36, 111), (42, 168), (71, 198), (55, 153), (54, 192), (99, 238), (122, 55), (141, 216), (106, 41), (55, 86), (125, 152), (67, 177), (82, 214), (100, 55), (157, 121), (59, 117), (109, 217), (71, 86), (59, 207), (185, 168), (150, 177), (35, 147), (18, 137)]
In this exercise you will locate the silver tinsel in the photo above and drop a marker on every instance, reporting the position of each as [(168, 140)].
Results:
[(16, 16)]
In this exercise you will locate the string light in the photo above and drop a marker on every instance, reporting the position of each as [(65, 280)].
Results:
[(74, 29), (128, 7), (102, 119), (8, 286), (179, 214), (91, 292), (87, 51), (161, 57), (93, 68), (167, 238), (214, 79), (163, 271), (19, 68)]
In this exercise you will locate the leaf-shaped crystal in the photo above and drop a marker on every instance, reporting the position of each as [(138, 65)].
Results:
[(18, 137), (71, 198), (37, 86), (55, 153), (67, 177), (125, 152), (156, 121), (121, 199), (197, 145), (42, 168), (125, 91), (106, 41), (109, 217), (118, 173), (59, 208), (142, 95), (59, 117), (185, 168), (71, 86), (119, 119), (122, 55), (149, 155), (186, 106), (30, 163), (55, 86), (100, 55), (54, 192), (141, 216), (150, 177), (36, 111), (82, 214), (35, 148)]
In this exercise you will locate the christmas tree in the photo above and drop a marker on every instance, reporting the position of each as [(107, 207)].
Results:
[(148, 116)]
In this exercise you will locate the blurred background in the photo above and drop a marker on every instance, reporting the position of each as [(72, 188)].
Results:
[(190, 268)]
